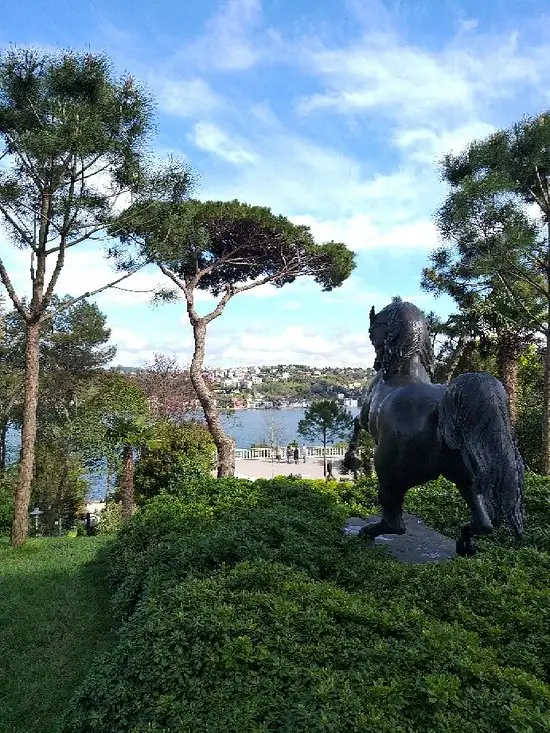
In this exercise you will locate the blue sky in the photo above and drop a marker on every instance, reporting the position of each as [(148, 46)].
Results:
[(331, 112)]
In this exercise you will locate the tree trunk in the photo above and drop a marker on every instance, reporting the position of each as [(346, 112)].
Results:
[(107, 479), (455, 359), (546, 386), (127, 482), (509, 348), (3, 436), (22, 493), (224, 444), (546, 409)]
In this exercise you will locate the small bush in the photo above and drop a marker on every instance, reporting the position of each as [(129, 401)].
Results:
[(6, 502), (111, 518), (176, 455)]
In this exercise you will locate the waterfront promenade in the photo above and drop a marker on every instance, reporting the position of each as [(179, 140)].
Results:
[(254, 468)]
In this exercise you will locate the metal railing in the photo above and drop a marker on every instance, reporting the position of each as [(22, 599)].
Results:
[(268, 453)]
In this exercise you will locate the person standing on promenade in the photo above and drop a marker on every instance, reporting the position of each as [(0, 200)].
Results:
[(288, 453), (296, 455), (304, 453)]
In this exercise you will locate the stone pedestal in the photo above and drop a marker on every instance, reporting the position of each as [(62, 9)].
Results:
[(419, 544)]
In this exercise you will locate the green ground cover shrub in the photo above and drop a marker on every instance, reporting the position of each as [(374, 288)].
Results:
[(264, 648), (247, 610)]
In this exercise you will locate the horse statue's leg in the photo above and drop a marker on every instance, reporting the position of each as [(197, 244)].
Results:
[(351, 460), (479, 524), (391, 500)]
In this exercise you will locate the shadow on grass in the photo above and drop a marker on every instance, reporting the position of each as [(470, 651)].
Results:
[(54, 621)]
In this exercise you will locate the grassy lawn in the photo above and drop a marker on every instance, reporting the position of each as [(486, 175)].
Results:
[(54, 619)]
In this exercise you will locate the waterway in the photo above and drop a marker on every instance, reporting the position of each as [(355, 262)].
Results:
[(248, 427), (265, 426)]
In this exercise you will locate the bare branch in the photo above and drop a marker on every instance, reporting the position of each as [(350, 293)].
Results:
[(134, 290), (18, 227), (55, 275), (82, 238), (539, 201), (11, 292), (519, 302), (523, 277), (218, 310), (175, 279), (232, 290), (30, 170), (90, 293), (222, 260), (263, 281)]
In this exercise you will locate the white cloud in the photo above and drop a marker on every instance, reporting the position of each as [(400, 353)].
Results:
[(468, 24), (355, 291), (287, 344), (272, 166), (210, 138), (272, 339), (292, 305), (359, 232), (291, 345), (382, 72), (226, 44), (135, 349), (191, 97), (425, 145)]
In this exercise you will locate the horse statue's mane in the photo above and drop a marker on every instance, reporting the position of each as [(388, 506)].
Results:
[(406, 334)]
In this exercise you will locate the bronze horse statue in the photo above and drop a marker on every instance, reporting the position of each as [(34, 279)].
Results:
[(421, 430)]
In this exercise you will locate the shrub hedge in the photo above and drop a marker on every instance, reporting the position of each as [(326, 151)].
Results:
[(243, 608)]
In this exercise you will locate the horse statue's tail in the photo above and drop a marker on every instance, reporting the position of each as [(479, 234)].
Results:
[(474, 419)]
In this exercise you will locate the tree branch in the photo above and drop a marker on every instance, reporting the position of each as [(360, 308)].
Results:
[(222, 261), (218, 310), (519, 302), (543, 189), (175, 279), (263, 281), (90, 293), (11, 292), (534, 195), (37, 180), (55, 275), (232, 290), (521, 276), (82, 238), (18, 228)]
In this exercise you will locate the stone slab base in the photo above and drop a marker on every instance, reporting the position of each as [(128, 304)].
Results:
[(419, 544)]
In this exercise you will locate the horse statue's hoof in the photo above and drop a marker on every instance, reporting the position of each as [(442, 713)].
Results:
[(375, 529)]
